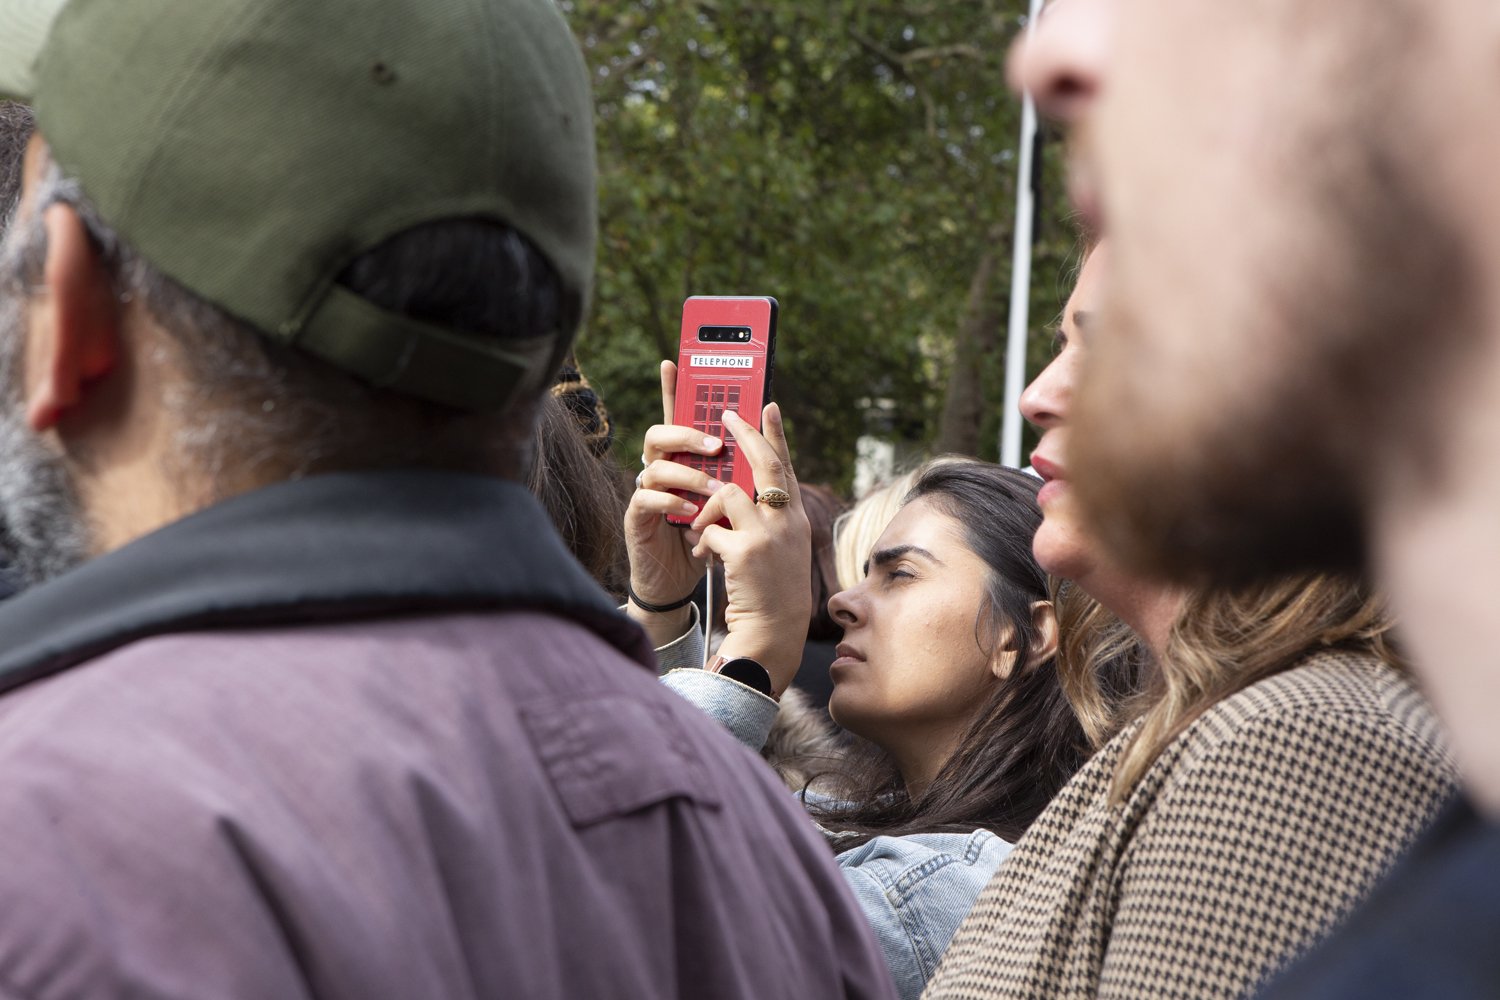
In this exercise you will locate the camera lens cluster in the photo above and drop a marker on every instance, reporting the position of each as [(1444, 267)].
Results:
[(724, 334)]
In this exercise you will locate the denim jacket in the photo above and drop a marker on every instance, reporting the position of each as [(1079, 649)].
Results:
[(915, 889)]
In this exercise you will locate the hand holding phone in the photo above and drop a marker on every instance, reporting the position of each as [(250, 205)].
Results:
[(766, 553)]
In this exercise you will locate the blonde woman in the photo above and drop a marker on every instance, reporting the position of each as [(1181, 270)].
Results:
[(1280, 759), (858, 528)]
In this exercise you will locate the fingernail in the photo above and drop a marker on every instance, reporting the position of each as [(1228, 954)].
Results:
[(712, 442), (714, 486), (688, 509), (731, 413)]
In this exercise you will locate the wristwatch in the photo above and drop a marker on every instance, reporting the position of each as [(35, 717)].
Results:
[(745, 670)]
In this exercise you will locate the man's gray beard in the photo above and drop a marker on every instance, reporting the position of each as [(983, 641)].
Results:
[(43, 530)]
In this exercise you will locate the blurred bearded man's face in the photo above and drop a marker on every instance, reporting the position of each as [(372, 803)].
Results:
[(43, 530), (1287, 279)]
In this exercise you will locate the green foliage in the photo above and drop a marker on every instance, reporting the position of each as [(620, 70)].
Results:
[(854, 159)]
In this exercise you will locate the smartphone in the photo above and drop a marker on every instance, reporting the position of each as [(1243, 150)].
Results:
[(724, 362)]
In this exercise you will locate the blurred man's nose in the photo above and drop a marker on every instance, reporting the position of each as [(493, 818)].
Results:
[(1061, 62)]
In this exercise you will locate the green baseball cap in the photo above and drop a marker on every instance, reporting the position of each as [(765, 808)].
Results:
[(250, 149)]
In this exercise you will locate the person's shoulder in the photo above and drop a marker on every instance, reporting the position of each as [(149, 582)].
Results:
[(1327, 694), (1346, 724), (903, 859), (916, 889), (1338, 680), (1426, 932), (926, 869)]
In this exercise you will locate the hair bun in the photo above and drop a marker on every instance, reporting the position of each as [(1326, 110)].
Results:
[(573, 390)]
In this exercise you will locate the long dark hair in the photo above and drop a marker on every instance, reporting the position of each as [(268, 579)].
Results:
[(584, 494), (1025, 741)]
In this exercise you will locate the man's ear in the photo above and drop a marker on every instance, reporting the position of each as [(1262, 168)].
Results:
[(74, 335)]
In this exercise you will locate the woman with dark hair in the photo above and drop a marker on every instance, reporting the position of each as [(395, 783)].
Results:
[(945, 668)]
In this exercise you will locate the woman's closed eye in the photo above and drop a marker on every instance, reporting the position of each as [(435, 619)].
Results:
[(900, 563)]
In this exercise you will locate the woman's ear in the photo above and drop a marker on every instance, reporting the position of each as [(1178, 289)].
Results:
[(1044, 627)]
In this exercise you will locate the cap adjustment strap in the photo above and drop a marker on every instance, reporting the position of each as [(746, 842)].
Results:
[(467, 371)]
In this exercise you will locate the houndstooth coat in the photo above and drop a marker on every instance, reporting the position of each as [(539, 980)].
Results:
[(1252, 834)]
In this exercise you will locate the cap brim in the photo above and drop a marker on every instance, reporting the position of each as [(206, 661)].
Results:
[(24, 25)]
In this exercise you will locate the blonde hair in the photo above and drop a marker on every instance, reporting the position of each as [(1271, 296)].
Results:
[(1225, 641), (856, 531), (1100, 661)]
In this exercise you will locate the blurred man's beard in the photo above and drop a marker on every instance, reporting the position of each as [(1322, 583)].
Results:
[(1265, 453), (43, 531)]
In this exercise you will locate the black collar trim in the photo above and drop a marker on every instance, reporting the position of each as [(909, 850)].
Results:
[(333, 547)]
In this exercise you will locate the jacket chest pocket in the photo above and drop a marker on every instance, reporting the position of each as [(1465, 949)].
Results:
[(614, 755)]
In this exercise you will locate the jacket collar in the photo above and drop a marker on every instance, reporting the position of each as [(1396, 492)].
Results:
[(333, 547)]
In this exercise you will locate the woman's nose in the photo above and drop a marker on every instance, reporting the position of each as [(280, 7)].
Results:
[(842, 607), (1044, 403)]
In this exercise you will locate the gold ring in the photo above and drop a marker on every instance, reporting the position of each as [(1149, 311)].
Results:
[(774, 498)]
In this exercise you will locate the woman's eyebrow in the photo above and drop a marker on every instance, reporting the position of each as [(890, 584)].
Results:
[(895, 552)]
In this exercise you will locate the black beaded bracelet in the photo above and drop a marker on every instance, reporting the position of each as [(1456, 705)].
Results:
[(655, 609)]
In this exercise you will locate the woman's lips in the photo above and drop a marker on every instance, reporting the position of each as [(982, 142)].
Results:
[(1046, 468), (847, 656), (1053, 482)]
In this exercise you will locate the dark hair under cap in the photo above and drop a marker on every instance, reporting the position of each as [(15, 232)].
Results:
[(579, 397)]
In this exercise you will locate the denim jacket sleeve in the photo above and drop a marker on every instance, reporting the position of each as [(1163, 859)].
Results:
[(916, 890), (686, 652), (745, 712)]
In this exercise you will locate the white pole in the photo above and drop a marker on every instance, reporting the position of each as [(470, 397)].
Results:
[(1020, 279)]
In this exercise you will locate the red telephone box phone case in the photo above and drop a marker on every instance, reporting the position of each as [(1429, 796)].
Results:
[(724, 362)]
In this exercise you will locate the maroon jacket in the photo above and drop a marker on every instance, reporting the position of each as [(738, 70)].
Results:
[(231, 767)]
